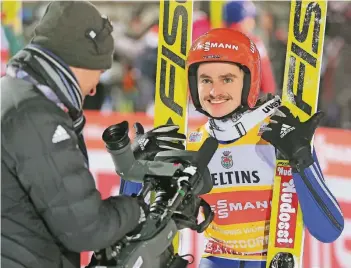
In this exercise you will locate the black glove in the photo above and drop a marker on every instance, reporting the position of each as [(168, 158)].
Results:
[(292, 137), (146, 145), (144, 211)]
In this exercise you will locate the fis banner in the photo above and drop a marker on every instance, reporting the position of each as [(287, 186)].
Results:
[(171, 97), (300, 94), (304, 56)]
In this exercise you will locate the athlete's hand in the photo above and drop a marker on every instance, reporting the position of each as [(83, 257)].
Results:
[(291, 136), (165, 137)]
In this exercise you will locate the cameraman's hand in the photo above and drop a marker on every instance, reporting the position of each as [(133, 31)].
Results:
[(166, 137), (144, 211)]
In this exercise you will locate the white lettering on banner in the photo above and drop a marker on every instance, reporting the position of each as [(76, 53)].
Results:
[(186, 243), (93, 131), (101, 163), (315, 252), (286, 208), (329, 255), (340, 187), (223, 207), (284, 171), (342, 252), (208, 45), (100, 160), (238, 244), (326, 258), (331, 152)]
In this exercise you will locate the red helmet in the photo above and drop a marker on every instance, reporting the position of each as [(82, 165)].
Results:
[(226, 45)]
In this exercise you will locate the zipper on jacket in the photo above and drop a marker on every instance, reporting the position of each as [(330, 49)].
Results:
[(320, 202)]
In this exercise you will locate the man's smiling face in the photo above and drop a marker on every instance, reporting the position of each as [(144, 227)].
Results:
[(220, 87)]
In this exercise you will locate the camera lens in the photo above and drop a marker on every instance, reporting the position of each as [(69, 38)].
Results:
[(116, 136)]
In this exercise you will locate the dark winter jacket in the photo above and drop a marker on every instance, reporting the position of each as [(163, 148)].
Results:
[(50, 208)]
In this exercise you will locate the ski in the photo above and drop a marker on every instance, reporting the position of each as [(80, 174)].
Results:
[(171, 93), (300, 93), (216, 7)]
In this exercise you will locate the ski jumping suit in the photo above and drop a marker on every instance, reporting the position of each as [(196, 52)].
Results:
[(242, 172)]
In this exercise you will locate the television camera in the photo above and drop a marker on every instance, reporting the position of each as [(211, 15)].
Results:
[(177, 178)]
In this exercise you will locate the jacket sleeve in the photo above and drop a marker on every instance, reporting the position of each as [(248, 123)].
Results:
[(41, 140), (321, 212)]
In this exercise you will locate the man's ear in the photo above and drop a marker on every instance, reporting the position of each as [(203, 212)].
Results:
[(92, 92)]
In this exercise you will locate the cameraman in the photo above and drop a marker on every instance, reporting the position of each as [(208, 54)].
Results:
[(51, 210)]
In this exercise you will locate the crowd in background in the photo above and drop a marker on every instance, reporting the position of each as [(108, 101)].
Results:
[(129, 86)]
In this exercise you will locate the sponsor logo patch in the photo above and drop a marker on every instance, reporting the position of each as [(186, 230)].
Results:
[(241, 206), (195, 136), (227, 160), (208, 45)]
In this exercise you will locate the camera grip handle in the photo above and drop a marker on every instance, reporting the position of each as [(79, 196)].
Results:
[(208, 215), (183, 221)]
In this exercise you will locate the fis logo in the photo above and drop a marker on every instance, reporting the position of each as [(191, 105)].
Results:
[(304, 55), (170, 87)]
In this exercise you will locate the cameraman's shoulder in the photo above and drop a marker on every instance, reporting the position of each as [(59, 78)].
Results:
[(20, 102), (196, 138), (28, 111)]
